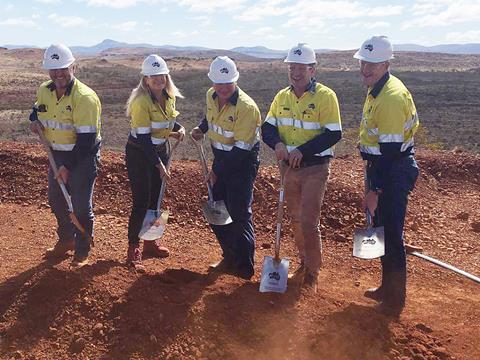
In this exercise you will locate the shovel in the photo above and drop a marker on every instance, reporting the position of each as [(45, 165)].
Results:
[(65, 193), (275, 270), (215, 212), (415, 251), (369, 243), (155, 221)]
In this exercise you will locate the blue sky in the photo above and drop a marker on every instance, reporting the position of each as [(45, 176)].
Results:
[(224, 24)]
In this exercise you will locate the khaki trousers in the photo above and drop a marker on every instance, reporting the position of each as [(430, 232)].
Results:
[(304, 191)]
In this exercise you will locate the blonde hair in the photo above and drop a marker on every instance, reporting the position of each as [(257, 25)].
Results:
[(143, 89)]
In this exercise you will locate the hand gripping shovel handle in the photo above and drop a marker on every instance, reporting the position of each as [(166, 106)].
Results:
[(170, 150), (203, 161), (283, 171), (65, 193)]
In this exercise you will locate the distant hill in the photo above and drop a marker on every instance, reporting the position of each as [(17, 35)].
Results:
[(447, 48), (254, 51)]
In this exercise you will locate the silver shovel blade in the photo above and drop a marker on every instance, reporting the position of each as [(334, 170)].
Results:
[(216, 212), (369, 243), (153, 227), (274, 275)]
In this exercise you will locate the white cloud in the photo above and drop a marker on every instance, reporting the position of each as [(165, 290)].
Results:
[(68, 21), (125, 26), (121, 4), (265, 8), (209, 6), (20, 22), (183, 34), (444, 13), (204, 20), (371, 25), (9, 7), (472, 36), (49, 1), (267, 33)]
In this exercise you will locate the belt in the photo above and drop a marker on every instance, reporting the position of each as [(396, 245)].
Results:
[(159, 148), (317, 160)]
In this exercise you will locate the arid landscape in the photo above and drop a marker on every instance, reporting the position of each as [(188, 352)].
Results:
[(176, 310)]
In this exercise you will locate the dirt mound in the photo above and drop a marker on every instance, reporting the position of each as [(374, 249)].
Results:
[(179, 311)]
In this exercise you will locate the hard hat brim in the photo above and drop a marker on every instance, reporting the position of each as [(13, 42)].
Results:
[(166, 72), (359, 56), (224, 81), (51, 67), (299, 62)]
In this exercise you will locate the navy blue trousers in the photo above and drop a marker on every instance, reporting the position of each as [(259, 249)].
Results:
[(80, 187), (391, 211), (237, 239)]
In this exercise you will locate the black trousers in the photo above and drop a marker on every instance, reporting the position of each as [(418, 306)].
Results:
[(145, 183)]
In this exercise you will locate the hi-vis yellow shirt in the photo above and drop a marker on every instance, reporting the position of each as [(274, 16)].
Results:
[(148, 117), (390, 117), (299, 120), (237, 123), (77, 112)]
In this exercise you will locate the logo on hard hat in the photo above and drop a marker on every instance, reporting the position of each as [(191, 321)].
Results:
[(369, 47), (224, 70), (297, 52), (156, 64), (55, 56)]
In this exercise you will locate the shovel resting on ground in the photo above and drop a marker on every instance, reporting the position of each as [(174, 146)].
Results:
[(155, 221), (65, 193), (415, 251), (215, 212), (369, 243), (275, 270)]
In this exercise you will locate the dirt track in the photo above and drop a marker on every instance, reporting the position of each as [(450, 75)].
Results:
[(177, 311)]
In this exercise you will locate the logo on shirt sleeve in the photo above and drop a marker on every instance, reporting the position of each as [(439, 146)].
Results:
[(68, 108)]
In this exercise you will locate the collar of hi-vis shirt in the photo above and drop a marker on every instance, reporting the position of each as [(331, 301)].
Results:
[(232, 100), (164, 93), (52, 87), (312, 86), (379, 85)]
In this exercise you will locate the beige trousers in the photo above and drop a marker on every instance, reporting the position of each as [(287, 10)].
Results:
[(304, 191)]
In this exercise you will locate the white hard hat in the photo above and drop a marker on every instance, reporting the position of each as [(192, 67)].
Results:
[(223, 70), (57, 57), (154, 65), (301, 54), (375, 50)]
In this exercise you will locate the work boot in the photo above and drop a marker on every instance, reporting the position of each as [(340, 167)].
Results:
[(60, 249), (244, 273), (222, 266), (153, 249), (376, 294), (393, 300), (298, 274), (134, 257), (310, 282), (79, 261)]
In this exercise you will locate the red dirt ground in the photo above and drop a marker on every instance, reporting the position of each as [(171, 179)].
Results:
[(177, 311)]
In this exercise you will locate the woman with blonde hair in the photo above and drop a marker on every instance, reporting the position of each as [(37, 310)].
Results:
[(152, 112)]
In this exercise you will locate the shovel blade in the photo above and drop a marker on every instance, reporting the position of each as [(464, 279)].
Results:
[(216, 212), (274, 275), (369, 243), (153, 226)]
